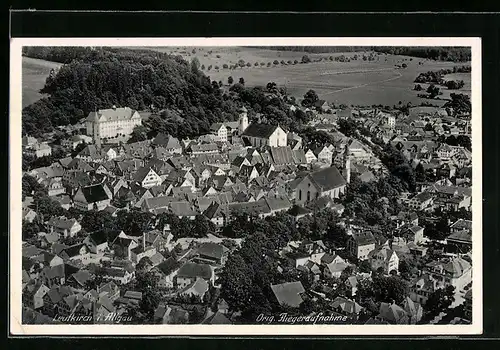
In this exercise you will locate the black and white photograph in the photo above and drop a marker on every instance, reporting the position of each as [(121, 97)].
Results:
[(246, 185)]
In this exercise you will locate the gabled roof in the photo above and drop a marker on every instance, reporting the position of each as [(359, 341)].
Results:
[(328, 178), (166, 141), (260, 130), (94, 193), (112, 114), (212, 250), (192, 270), (363, 238), (288, 293), (346, 305)]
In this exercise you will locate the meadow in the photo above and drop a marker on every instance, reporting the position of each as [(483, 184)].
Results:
[(356, 82), (34, 74)]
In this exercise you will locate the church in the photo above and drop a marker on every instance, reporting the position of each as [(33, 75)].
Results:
[(255, 134), (259, 135)]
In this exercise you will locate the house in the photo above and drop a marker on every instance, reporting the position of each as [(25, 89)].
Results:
[(76, 253), (165, 314), (215, 213), (75, 140), (189, 272), (120, 275), (91, 198), (310, 156), (97, 242), (288, 293), (219, 130), (146, 177), (327, 182), (259, 135), (413, 309), (384, 258), (29, 215), (460, 240), (167, 271), (324, 154), (40, 150), (167, 145), (322, 106), (334, 268), (199, 287), (64, 227), (217, 318), (454, 271), (53, 275), (212, 253), (360, 244), (203, 148), (393, 314), (346, 307), (421, 201)]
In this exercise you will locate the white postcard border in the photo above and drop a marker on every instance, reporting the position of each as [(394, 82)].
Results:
[(15, 173)]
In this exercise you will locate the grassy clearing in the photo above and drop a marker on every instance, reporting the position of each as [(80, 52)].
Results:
[(34, 74), (352, 83)]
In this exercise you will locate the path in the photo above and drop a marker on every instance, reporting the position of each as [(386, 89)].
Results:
[(363, 85)]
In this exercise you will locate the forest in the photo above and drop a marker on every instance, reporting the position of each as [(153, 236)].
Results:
[(103, 77), (455, 54)]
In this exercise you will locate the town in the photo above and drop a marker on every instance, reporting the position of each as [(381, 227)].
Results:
[(357, 214)]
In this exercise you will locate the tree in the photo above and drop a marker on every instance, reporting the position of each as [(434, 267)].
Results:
[(256, 64), (305, 59), (140, 133), (242, 81), (433, 91), (241, 63), (418, 87), (230, 80), (404, 65), (276, 62), (390, 288), (365, 266), (310, 98), (440, 300), (98, 220), (236, 283)]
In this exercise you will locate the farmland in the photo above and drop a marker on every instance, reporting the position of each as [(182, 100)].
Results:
[(34, 74), (356, 82)]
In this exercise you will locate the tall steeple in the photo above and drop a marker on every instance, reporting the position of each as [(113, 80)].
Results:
[(243, 120)]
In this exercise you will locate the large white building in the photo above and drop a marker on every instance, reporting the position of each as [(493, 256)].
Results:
[(107, 123)]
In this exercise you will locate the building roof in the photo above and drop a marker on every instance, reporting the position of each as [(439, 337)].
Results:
[(464, 236), (392, 312), (260, 130), (288, 293), (62, 222), (328, 178), (346, 305), (95, 193), (212, 250), (166, 141), (217, 318), (112, 114), (363, 238), (197, 287), (192, 270)]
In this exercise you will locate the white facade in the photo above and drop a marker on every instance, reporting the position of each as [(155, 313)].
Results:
[(108, 123)]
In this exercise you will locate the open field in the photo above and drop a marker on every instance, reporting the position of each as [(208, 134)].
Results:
[(352, 83), (34, 74)]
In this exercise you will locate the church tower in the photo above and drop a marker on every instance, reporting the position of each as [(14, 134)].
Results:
[(95, 131), (243, 121), (347, 165)]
